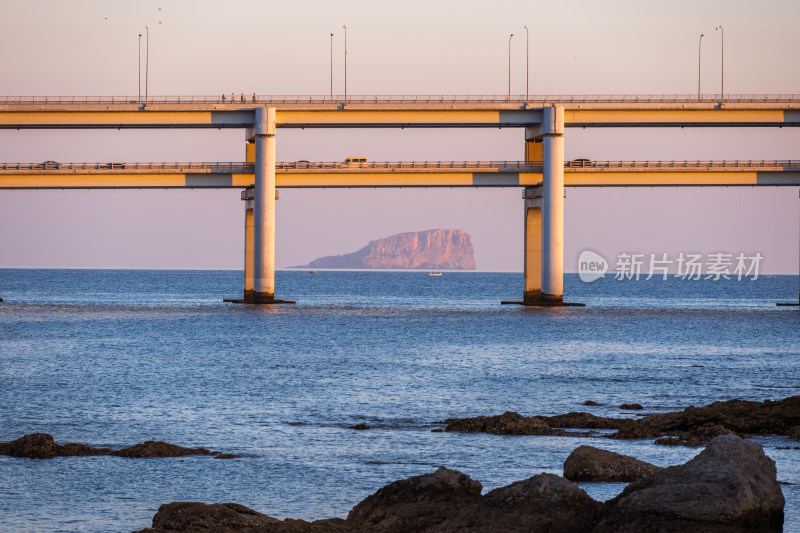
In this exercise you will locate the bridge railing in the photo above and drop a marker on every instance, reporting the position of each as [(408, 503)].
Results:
[(242, 98), (512, 166)]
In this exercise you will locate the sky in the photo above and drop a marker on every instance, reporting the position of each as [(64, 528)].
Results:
[(445, 47)]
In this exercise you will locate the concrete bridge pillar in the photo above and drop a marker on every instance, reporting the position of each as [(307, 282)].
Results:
[(259, 225), (533, 245), (264, 207), (553, 205), (544, 213)]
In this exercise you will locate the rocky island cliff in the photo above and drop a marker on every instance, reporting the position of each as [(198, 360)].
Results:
[(436, 249)]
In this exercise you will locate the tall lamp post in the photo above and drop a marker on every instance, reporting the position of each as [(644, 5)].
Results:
[(509, 65), (331, 66), (140, 68), (527, 63), (146, 62), (723, 62), (699, 47), (345, 62)]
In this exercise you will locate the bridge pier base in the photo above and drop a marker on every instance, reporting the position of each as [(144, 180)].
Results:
[(544, 214), (259, 287)]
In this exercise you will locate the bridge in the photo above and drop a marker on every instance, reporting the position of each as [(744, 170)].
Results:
[(543, 173)]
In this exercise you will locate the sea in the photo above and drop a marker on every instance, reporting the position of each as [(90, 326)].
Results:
[(111, 358)]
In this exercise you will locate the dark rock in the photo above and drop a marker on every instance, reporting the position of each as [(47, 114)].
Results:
[(586, 463), (794, 433), (632, 406), (581, 420), (360, 427), (33, 446), (43, 446), (153, 448), (695, 437), (775, 417), (635, 429), (197, 517), (417, 503), (730, 486), (180, 516), (1, 300), (81, 450), (541, 503), (509, 423), (591, 403), (225, 456)]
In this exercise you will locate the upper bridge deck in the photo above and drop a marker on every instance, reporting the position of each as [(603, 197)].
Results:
[(308, 111)]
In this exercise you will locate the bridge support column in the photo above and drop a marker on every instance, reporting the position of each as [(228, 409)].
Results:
[(249, 241), (264, 207), (544, 213), (262, 290), (533, 245), (553, 206)]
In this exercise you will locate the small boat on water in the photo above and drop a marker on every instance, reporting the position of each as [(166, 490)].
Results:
[(312, 272), (434, 273)]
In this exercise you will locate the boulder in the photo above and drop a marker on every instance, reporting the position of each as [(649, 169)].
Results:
[(586, 463), (33, 446), (591, 403), (541, 503), (152, 448), (695, 437), (635, 429), (509, 423), (730, 486), (218, 517), (632, 406), (416, 503), (581, 420)]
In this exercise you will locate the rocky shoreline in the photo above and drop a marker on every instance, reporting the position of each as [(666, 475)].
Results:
[(731, 486), (43, 446), (694, 426)]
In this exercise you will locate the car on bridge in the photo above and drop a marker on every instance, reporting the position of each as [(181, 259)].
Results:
[(51, 165)]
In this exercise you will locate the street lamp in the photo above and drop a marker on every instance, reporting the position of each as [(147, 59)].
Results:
[(699, 47), (331, 66), (722, 96), (509, 65), (140, 68), (345, 62), (146, 62), (527, 63)]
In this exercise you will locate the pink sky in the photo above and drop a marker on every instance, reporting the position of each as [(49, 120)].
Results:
[(209, 47)]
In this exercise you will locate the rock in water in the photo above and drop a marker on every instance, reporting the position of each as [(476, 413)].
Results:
[(417, 503), (33, 446), (509, 423), (157, 448), (436, 249), (730, 486), (180, 516), (541, 503), (586, 463)]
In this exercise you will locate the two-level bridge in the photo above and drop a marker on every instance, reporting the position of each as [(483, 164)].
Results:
[(543, 173)]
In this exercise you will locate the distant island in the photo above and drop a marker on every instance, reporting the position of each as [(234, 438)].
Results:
[(435, 249)]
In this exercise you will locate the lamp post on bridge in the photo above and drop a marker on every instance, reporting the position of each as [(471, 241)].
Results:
[(527, 63), (699, 47), (146, 62), (331, 66), (509, 65), (140, 68), (345, 63), (722, 60)]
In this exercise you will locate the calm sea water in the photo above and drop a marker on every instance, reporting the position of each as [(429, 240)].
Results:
[(113, 358)]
